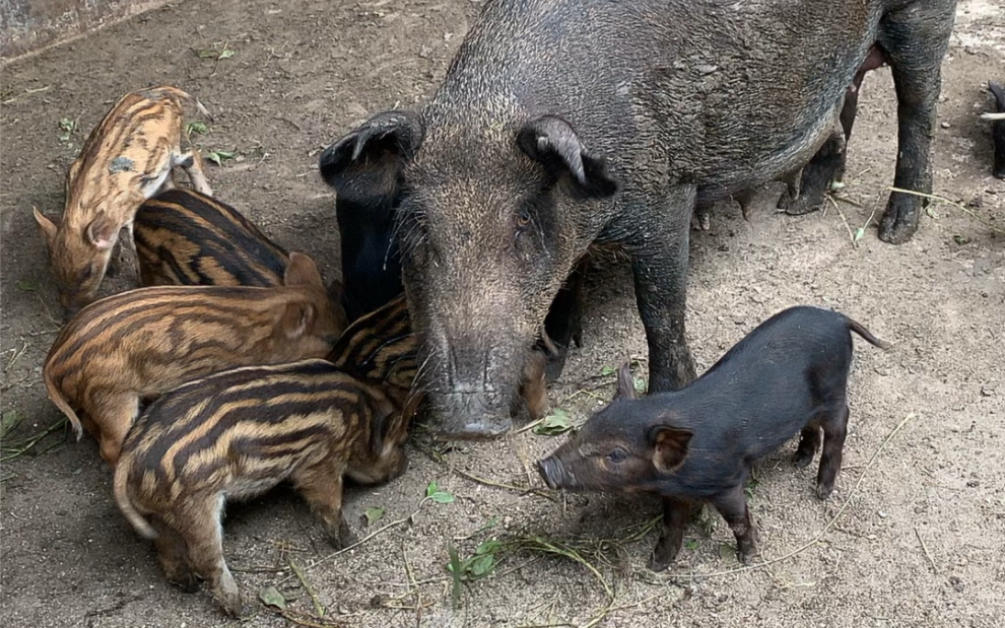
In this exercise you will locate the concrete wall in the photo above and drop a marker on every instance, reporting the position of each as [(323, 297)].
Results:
[(29, 25)]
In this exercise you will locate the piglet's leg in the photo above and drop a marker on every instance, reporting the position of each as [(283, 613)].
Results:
[(835, 430), (675, 515), (197, 520), (321, 486), (733, 508), (174, 557), (114, 415), (192, 164), (809, 441)]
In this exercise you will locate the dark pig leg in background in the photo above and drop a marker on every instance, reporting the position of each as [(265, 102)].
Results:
[(828, 165), (835, 430), (564, 323), (733, 508), (915, 40), (659, 264), (676, 512), (809, 442)]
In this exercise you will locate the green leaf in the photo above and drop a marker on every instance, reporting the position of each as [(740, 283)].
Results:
[(195, 127), (483, 565), (640, 384), (607, 370), (220, 156), (859, 233), (26, 285), (691, 544), (432, 488), (442, 497), (726, 551), (207, 53), (454, 567), (67, 126), (8, 421), (272, 597), (488, 547), (555, 423), (373, 515), (226, 53)]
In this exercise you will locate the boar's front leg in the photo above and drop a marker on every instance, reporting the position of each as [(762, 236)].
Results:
[(659, 252), (915, 40), (675, 515)]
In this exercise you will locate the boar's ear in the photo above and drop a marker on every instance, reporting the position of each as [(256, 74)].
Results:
[(102, 232), (302, 271), (552, 142), (297, 317), (367, 160), (626, 384), (670, 446), (47, 226)]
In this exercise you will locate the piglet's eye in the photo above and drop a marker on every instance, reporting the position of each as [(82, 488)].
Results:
[(617, 455)]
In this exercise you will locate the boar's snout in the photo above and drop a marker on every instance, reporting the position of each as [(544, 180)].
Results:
[(554, 473), (472, 415)]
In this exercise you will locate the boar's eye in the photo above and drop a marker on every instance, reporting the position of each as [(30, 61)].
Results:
[(522, 219), (617, 455)]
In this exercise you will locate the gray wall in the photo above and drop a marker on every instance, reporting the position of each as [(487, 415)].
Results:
[(28, 25)]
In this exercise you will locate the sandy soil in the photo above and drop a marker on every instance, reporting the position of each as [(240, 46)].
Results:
[(920, 539)]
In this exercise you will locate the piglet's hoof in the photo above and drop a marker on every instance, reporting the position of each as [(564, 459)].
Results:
[(663, 554), (824, 491)]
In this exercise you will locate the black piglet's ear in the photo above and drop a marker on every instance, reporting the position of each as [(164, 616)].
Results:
[(626, 383), (552, 142), (670, 447), (375, 152)]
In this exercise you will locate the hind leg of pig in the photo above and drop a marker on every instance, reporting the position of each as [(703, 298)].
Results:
[(835, 430), (192, 164), (811, 192), (914, 40), (117, 413), (173, 555), (675, 515), (809, 442), (198, 522), (321, 487), (733, 508), (659, 266)]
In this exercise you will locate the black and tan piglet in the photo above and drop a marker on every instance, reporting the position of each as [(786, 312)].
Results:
[(134, 346), (184, 237), (697, 444), (237, 434)]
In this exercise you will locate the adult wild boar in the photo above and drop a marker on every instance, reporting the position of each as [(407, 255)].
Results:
[(567, 123)]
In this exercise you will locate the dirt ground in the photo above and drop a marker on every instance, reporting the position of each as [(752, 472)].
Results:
[(919, 535)]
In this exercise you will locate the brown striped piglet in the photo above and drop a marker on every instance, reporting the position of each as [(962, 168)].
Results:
[(237, 434), (125, 160), (383, 338), (788, 376), (136, 345), (184, 237)]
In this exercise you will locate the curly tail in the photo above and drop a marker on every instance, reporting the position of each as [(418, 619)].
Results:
[(57, 398), (860, 329), (132, 515)]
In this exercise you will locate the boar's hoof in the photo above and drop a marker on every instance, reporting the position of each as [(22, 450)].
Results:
[(900, 220), (661, 557), (824, 491), (800, 205)]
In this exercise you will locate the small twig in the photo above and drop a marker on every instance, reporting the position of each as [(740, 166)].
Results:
[(940, 199), (411, 579), (924, 548), (319, 608), (438, 457), (368, 537), (303, 619), (27, 92), (851, 234), (22, 450)]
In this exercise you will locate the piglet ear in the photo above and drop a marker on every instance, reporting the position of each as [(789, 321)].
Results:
[(626, 384), (102, 232), (670, 447), (47, 227), (296, 319), (552, 142), (302, 271), (366, 161)]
